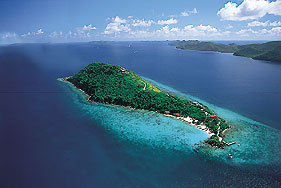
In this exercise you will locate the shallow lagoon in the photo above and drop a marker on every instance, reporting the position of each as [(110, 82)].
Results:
[(144, 127)]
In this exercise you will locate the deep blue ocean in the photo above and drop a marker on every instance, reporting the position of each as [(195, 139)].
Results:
[(50, 137)]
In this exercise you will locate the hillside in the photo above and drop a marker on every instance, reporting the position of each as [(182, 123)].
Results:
[(269, 51), (113, 84)]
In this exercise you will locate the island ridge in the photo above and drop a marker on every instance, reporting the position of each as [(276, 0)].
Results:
[(269, 51)]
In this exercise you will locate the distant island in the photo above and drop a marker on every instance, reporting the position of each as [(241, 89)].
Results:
[(113, 84), (269, 51)]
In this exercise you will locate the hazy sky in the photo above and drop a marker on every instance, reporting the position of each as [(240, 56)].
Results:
[(86, 20)]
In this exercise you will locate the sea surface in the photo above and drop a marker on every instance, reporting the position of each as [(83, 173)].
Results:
[(51, 137)]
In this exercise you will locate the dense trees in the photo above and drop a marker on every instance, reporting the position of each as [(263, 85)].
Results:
[(113, 84)]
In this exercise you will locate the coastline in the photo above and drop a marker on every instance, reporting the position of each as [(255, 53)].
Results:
[(231, 53), (67, 82), (188, 120)]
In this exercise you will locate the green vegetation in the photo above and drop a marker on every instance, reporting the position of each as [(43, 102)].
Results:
[(269, 51), (113, 84)]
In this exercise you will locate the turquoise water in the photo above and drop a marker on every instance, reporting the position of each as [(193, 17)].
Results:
[(258, 144)]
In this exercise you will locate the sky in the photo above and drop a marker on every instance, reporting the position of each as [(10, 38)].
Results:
[(134, 20)]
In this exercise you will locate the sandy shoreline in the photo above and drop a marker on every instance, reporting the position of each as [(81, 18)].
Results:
[(191, 121), (202, 127)]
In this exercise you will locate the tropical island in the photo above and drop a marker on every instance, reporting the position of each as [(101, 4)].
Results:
[(113, 84), (269, 51)]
